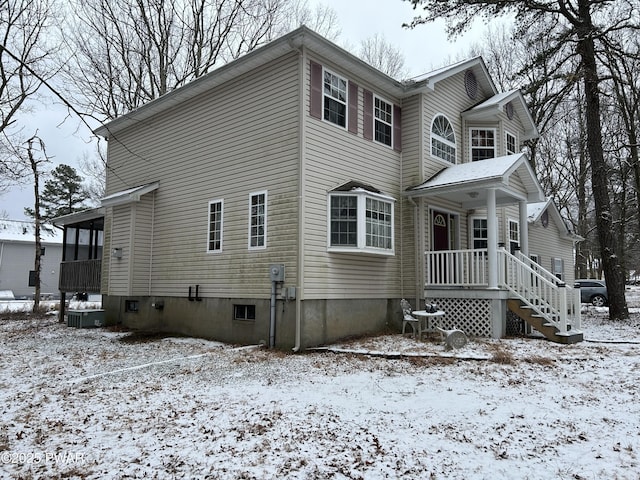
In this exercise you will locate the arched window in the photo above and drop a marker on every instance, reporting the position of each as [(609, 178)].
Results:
[(443, 139)]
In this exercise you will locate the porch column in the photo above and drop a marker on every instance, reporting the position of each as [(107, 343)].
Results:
[(492, 238), (524, 229)]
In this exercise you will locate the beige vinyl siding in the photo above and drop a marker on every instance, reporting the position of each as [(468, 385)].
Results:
[(334, 157), (450, 99), (119, 271), (142, 244), (106, 257), (547, 243), (236, 139), (411, 176)]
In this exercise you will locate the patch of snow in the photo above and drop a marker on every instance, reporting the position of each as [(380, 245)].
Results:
[(100, 404)]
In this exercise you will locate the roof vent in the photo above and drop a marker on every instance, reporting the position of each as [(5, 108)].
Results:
[(470, 84)]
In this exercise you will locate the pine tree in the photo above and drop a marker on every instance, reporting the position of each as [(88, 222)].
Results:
[(63, 194)]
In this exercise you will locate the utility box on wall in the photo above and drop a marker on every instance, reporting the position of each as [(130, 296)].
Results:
[(276, 273)]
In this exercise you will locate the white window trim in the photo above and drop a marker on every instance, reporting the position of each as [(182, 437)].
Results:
[(508, 134), (346, 102), (443, 140), (495, 140), (374, 119), (361, 242), (251, 195), (471, 236), (221, 202), (508, 232), (553, 267)]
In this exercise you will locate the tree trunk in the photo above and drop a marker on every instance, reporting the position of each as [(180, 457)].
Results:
[(604, 219)]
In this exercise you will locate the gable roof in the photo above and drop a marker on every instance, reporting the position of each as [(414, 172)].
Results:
[(300, 40), (467, 183), (491, 107), (536, 210), (476, 64)]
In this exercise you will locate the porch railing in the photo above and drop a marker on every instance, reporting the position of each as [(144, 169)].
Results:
[(80, 276), (461, 268), (538, 288)]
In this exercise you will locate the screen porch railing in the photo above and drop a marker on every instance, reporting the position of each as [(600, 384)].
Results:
[(80, 276)]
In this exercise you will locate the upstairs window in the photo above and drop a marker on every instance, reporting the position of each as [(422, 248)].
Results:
[(483, 144), (361, 221), (215, 226), (511, 143), (258, 220), (335, 99), (443, 139), (383, 114)]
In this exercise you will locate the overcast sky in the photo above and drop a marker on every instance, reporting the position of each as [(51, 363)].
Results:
[(425, 48)]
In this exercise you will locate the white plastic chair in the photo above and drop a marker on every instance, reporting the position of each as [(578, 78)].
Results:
[(409, 319)]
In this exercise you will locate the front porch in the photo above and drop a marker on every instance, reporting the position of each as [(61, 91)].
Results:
[(462, 284)]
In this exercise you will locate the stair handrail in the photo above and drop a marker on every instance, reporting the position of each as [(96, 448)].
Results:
[(541, 290)]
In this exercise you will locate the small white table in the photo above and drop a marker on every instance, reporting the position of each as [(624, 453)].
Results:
[(428, 318)]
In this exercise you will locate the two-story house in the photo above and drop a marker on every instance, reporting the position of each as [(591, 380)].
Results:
[(296, 194)]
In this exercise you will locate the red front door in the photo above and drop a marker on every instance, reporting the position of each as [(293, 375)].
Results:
[(440, 223), (441, 265)]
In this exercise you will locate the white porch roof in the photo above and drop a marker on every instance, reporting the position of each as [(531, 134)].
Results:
[(510, 176)]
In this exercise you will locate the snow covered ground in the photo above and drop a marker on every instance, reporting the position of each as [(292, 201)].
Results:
[(103, 404)]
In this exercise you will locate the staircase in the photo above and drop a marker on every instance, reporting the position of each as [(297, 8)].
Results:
[(541, 300)]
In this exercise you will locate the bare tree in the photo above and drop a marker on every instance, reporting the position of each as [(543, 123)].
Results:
[(321, 18), (381, 54), (24, 50), (94, 169), (124, 53), (576, 29)]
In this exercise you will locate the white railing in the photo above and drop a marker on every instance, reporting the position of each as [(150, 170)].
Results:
[(538, 288), (461, 268)]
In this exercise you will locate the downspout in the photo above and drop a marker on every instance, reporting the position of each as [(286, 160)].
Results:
[(272, 322), (417, 247), (153, 226), (302, 57)]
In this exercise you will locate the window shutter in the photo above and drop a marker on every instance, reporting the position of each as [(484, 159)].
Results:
[(397, 128), (368, 115), (353, 108), (315, 101)]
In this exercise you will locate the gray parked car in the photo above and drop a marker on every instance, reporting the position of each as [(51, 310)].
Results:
[(593, 291)]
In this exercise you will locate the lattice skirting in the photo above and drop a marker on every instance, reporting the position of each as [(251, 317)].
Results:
[(471, 315), (515, 325)]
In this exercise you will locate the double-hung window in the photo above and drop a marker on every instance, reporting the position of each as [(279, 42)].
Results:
[(361, 221), (483, 143), (334, 98), (511, 143), (383, 115), (214, 242), (258, 220), (514, 236), (480, 233)]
